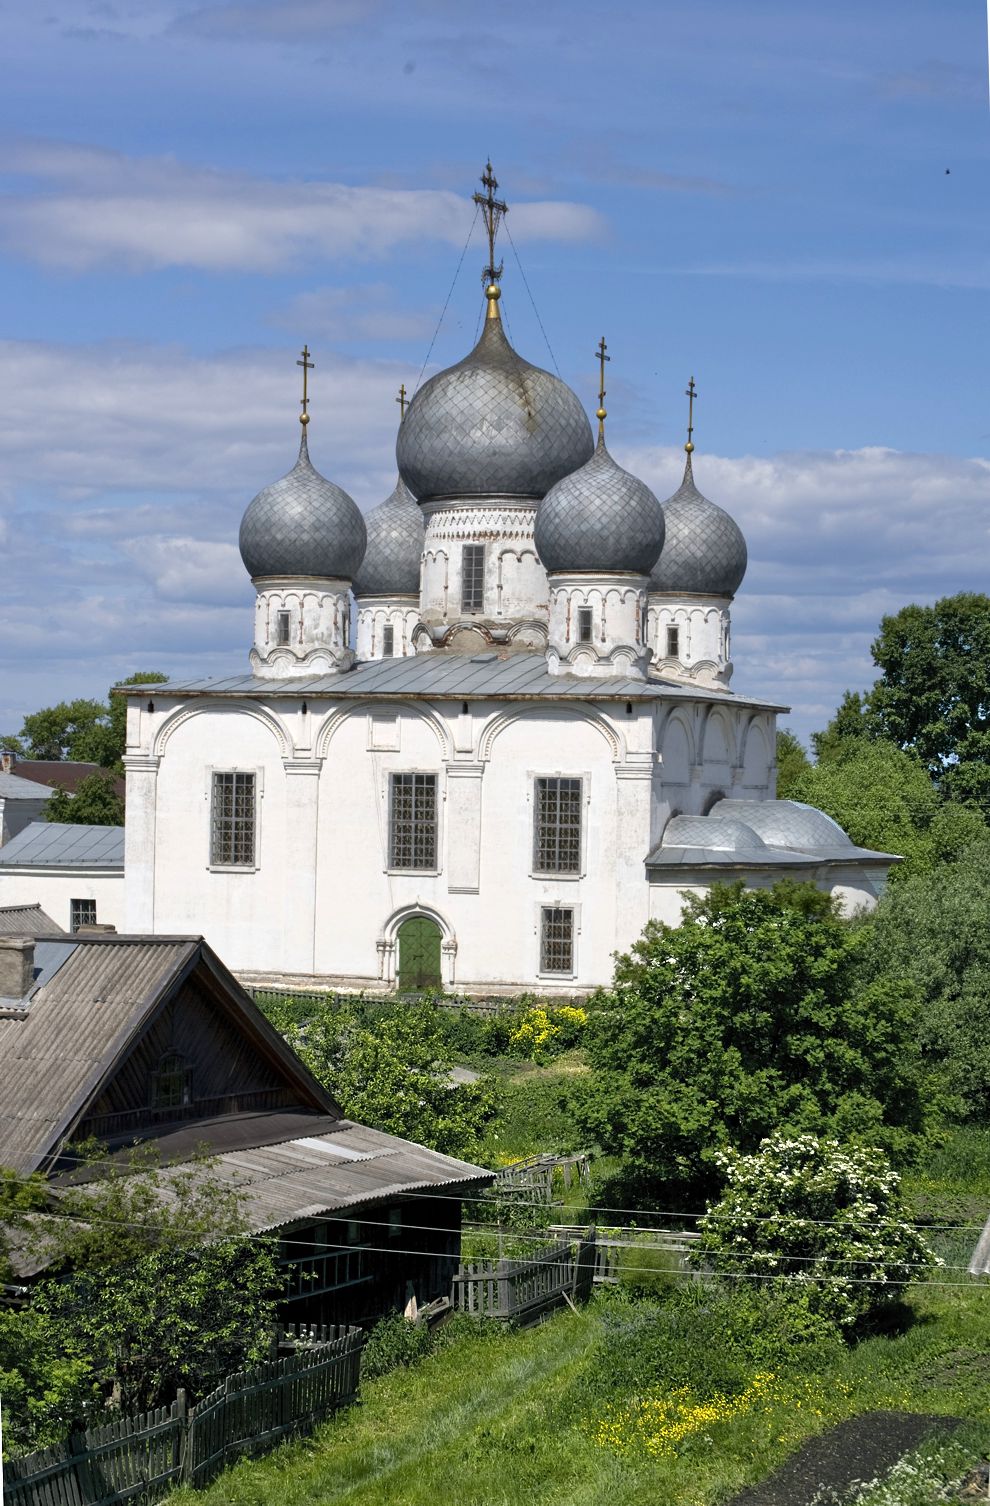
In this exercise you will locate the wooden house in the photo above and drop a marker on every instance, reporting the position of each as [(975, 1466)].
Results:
[(137, 1039)]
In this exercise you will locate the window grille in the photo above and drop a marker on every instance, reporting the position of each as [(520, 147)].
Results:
[(388, 641), (557, 826), (232, 832), (171, 1082), (673, 643), (281, 628), (472, 578), (82, 912), (556, 940), (413, 821), (585, 625)]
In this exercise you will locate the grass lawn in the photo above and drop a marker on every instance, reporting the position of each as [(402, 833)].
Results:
[(493, 1421)]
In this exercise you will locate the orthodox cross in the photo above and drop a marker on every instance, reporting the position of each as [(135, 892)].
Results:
[(307, 366), (493, 210), (402, 401), (601, 415), (690, 392)]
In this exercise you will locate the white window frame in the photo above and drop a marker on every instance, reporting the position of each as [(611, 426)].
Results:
[(436, 774), (558, 902), (541, 875), (259, 795)]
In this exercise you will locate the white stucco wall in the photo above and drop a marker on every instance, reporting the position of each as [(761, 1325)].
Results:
[(319, 623), (54, 888), (16, 814), (321, 900), (515, 583), (374, 614), (617, 604), (703, 631)]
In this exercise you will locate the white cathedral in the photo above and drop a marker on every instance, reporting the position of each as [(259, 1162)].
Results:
[(527, 748)]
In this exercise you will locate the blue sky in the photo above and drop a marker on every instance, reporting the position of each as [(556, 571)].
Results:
[(787, 200)]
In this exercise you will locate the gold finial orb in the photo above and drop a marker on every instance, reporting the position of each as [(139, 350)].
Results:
[(493, 291), (689, 447), (304, 419), (601, 414)]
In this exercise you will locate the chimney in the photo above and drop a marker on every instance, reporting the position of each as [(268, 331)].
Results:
[(16, 966), (6, 761), (95, 928)]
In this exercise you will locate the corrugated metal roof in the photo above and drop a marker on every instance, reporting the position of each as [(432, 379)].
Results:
[(78, 1019), (342, 1168), (514, 676), (12, 787), (60, 844), (27, 920)]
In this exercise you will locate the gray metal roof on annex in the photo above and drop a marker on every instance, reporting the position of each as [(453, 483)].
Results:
[(13, 787), (512, 676), (59, 844)]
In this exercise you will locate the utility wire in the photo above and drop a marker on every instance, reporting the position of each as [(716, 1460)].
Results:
[(532, 299)]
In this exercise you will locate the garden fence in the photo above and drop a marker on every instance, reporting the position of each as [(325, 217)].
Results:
[(147, 1456), (524, 1291)]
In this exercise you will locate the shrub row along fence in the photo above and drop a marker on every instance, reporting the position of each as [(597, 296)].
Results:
[(524, 1291), (538, 1176), (147, 1456), (262, 996)]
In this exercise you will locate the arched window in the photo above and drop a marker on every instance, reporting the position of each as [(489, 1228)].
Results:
[(171, 1082)]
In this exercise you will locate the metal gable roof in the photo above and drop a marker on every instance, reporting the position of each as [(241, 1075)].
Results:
[(13, 787), (60, 844), (514, 676), (27, 920)]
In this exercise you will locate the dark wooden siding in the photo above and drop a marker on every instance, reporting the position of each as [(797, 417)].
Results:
[(229, 1071)]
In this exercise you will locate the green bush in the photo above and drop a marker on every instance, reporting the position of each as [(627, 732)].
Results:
[(814, 1212), (393, 1343)]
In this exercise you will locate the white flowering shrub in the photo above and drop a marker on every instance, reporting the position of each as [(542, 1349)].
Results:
[(823, 1217)]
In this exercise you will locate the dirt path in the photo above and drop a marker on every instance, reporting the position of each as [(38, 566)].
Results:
[(860, 1449)]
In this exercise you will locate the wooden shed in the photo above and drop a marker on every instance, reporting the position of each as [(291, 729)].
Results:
[(138, 1039)]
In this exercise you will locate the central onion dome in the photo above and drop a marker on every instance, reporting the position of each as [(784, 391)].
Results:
[(303, 525), (395, 546), (493, 425), (601, 520), (705, 552)]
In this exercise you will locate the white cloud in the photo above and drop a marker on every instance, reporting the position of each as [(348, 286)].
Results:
[(362, 311), (82, 207)]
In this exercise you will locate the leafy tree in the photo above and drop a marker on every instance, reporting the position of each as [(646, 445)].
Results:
[(851, 720), (394, 1073), (883, 797), (935, 934), (748, 1017), (815, 1211), (153, 1284), (72, 729), (85, 730), (792, 763), (94, 803)]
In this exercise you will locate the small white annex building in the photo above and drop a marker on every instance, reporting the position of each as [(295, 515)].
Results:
[(487, 733), (75, 872)]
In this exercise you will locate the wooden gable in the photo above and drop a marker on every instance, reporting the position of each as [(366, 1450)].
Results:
[(205, 1051)]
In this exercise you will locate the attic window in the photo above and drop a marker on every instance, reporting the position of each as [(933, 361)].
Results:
[(171, 1082)]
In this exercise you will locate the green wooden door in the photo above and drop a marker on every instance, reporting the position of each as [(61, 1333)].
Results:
[(419, 954)]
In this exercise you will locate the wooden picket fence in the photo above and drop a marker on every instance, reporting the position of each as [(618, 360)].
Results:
[(524, 1291), (146, 1456)]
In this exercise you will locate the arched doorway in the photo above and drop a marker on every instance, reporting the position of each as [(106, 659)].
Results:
[(419, 954)]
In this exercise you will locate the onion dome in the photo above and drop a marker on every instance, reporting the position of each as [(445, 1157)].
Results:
[(493, 425), (600, 519), (395, 546), (704, 552), (303, 525)]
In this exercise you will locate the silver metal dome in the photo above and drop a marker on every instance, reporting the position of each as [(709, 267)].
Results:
[(303, 525), (704, 551), (600, 519), (717, 832), (396, 530), (787, 823), (491, 425)]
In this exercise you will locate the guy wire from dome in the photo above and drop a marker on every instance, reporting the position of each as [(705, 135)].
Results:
[(302, 525), (493, 425), (704, 552)]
